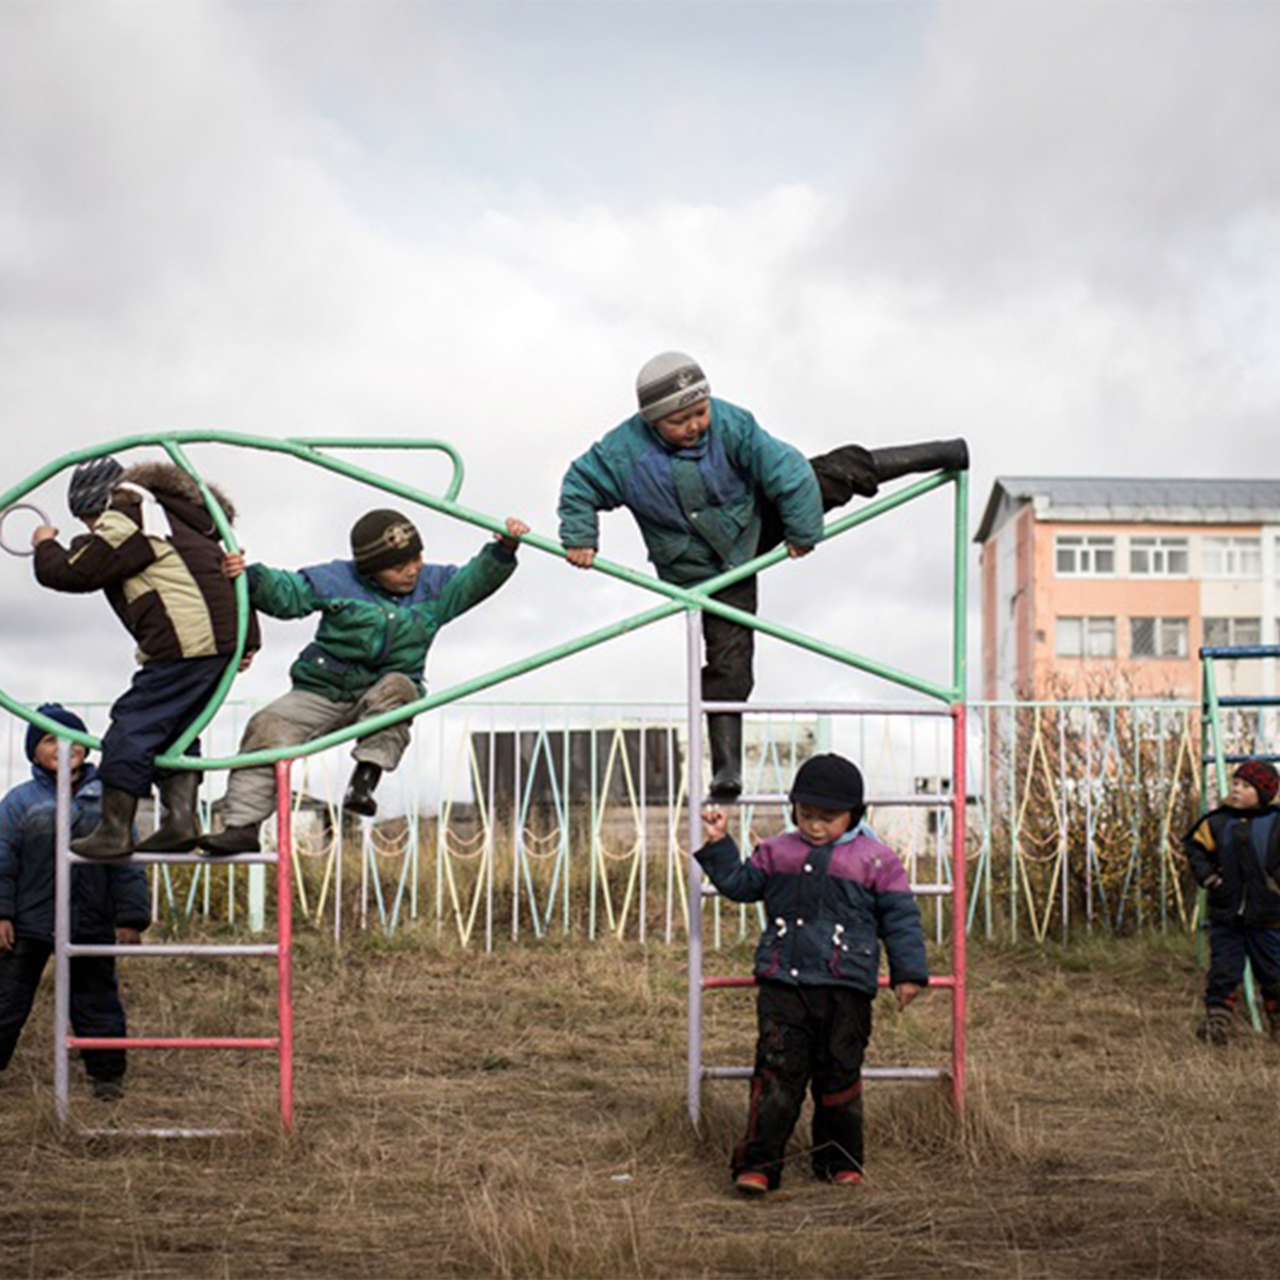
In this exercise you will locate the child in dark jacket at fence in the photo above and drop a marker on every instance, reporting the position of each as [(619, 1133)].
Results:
[(109, 904), (379, 613), (832, 893), (154, 550), (1234, 852)]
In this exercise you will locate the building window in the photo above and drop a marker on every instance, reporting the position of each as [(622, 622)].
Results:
[(1077, 556), (1158, 637), (1232, 558), (1158, 557), (1085, 638), (1220, 632)]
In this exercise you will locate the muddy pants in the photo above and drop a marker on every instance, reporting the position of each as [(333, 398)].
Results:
[(299, 717), (808, 1037)]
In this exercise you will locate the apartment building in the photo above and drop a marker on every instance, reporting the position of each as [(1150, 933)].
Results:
[(1095, 583)]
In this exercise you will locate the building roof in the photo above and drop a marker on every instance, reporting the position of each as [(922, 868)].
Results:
[(1132, 499)]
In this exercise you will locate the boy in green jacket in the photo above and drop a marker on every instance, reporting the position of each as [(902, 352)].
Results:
[(380, 611)]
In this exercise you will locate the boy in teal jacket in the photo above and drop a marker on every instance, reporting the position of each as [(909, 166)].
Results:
[(380, 611), (711, 490)]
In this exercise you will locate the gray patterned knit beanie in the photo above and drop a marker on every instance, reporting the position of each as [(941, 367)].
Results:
[(668, 383)]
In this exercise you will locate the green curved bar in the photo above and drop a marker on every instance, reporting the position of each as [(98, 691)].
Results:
[(304, 448), (678, 598)]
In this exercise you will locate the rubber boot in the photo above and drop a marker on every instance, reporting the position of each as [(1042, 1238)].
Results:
[(113, 836), (933, 455), (724, 733), (179, 832), (1215, 1026), (232, 840), (359, 798)]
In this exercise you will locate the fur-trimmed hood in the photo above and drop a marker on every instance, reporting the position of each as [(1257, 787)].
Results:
[(164, 479)]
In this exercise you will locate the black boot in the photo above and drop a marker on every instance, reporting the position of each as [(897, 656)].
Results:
[(724, 732), (179, 832), (113, 836), (933, 455), (359, 798), (232, 840)]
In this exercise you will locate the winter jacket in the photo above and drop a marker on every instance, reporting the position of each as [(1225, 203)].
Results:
[(698, 508), (365, 632), (1242, 846), (827, 909), (103, 897), (168, 589)]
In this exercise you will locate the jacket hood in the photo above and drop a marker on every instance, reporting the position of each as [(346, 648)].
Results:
[(166, 480)]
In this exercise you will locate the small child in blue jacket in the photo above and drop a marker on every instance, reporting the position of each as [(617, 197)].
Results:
[(109, 904), (832, 892)]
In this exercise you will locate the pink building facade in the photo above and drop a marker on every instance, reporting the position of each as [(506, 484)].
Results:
[(1109, 587)]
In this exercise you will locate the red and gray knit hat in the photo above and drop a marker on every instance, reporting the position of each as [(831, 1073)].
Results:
[(383, 539), (1262, 777), (668, 383)]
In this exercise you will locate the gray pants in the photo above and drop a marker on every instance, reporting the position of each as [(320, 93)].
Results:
[(300, 717)]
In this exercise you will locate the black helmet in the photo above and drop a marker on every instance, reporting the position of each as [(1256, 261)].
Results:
[(89, 493), (829, 782)]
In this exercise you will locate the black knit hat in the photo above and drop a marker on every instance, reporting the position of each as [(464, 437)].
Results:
[(829, 782), (1262, 777), (89, 493), (668, 383), (54, 711), (383, 539)]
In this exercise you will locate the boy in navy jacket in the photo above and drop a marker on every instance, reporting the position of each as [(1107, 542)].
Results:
[(109, 903)]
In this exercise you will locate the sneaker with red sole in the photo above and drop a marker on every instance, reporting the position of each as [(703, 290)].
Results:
[(751, 1184), (847, 1178)]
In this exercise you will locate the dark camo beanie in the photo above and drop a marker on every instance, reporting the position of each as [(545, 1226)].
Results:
[(668, 383), (55, 711), (381, 539), (89, 493), (829, 782), (1262, 777)]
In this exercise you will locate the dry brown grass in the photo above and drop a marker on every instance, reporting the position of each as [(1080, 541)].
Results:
[(522, 1114)]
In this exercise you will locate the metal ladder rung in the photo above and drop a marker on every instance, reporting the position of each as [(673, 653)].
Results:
[(825, 709), (920, 890), (868, 1073), (944, 981), (172, 949), (180, 859), (910, 799), (173, 1042), (161, 1133)]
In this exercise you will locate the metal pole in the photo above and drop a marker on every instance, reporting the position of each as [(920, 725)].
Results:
[(284, 939), (62, 927), (958, 913), (693, 651)]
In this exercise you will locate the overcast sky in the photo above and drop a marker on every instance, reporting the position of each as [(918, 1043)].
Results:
[(1053, 229)]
